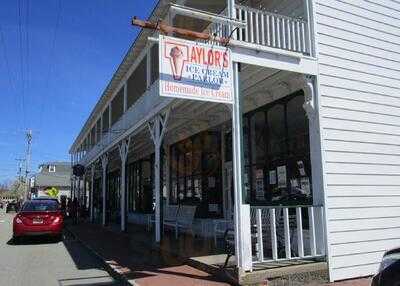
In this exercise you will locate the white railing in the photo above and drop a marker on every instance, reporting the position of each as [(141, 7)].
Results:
[(286, 233), (144, 107), (268, 29)]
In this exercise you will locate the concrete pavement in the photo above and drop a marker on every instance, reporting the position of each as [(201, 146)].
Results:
[(138, 264), (45, 262)]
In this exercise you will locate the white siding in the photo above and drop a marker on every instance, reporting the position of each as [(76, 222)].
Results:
[(359, 63)]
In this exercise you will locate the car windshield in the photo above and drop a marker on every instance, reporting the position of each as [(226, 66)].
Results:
[(389, 260), (40, 206)]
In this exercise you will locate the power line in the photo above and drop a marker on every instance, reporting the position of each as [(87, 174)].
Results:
[(9, 74), (21, 58), (53, 44), (27, 47)]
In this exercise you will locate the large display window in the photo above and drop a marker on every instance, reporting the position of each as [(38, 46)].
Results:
[(279, 160), (195, 173), (113, 196), (140, 176)]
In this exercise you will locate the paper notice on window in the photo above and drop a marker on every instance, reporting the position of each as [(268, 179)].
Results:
[(272, 177), (302, 170), (260, 184), (305, 186), (281, 170), (213, 207)]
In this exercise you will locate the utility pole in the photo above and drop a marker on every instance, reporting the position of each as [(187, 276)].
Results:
[(28, 161), (20, 160)]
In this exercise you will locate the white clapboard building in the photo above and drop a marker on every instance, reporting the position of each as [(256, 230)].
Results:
[(287, 135)]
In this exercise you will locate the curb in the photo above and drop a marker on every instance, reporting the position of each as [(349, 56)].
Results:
[(113, 271)]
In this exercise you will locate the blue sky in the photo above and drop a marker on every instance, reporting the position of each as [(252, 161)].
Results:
[(51, 75)]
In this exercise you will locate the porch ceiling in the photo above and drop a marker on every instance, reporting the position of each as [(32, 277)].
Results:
[(189, 117)]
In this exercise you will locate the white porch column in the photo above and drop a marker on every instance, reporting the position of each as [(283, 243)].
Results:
[(316, 159), (78, 193), (91, 192), (225, 204), (104, 163), (157, 129), (84, 191), (75, 187), (123, 149), (167, 171), (241, 209)]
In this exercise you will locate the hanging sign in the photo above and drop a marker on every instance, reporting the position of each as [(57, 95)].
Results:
[(194, 70)]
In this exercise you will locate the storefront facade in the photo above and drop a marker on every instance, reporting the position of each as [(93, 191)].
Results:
[(299, 146)]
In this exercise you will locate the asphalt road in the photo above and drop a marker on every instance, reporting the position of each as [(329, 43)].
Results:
[(45, 262)]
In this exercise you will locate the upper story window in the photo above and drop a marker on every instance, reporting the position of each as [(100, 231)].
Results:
[(137, 82), (105, 119), (52, 169), (117, 106), (154, 64)]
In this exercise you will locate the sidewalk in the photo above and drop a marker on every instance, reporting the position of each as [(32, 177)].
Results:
[(138, 264)]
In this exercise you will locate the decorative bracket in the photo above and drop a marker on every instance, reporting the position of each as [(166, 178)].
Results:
[(104, 161), (92, 171), (309, 97), (157, 127), (123, 149)]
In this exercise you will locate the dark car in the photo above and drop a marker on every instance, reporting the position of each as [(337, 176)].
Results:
[(45, 199), (389, 270), (12, 206)]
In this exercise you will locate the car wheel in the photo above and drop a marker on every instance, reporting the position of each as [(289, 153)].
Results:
[(16, 240), (59, 237)]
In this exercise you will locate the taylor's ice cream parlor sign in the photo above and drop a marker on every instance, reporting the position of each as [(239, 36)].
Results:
[(194, 70)]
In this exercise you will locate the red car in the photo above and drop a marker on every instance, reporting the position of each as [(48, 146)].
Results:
[(38, 217)]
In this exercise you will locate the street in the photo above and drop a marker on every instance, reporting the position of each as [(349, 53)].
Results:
[(41, 261)]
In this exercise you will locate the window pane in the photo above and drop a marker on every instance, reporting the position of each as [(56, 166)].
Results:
[(258, 147), (197, 155), (277, 134), (210, 141), (137, 82), (246, 146), (105, 117), (154, 63), (181, 164), (174, 162), (117, 106), (297, 123)]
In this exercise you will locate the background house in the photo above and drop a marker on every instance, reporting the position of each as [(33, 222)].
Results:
[(52, 174)]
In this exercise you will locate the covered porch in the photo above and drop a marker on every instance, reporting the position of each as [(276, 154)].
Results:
[(196, 170)]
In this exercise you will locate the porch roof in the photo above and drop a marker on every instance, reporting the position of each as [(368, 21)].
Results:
[(137, 46), (159, 12)]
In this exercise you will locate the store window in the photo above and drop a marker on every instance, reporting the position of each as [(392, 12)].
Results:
[(113, 196), (195, 173), (279, 160), (140, 185)]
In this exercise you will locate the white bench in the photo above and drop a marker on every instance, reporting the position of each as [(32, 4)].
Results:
[(184, 219), (169, 214), (221, 225)]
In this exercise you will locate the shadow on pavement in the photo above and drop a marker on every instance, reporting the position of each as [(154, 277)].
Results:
[(136, 260), (34, 240)]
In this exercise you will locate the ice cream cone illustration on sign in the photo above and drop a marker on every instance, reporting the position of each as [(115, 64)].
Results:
[(177, 56)]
